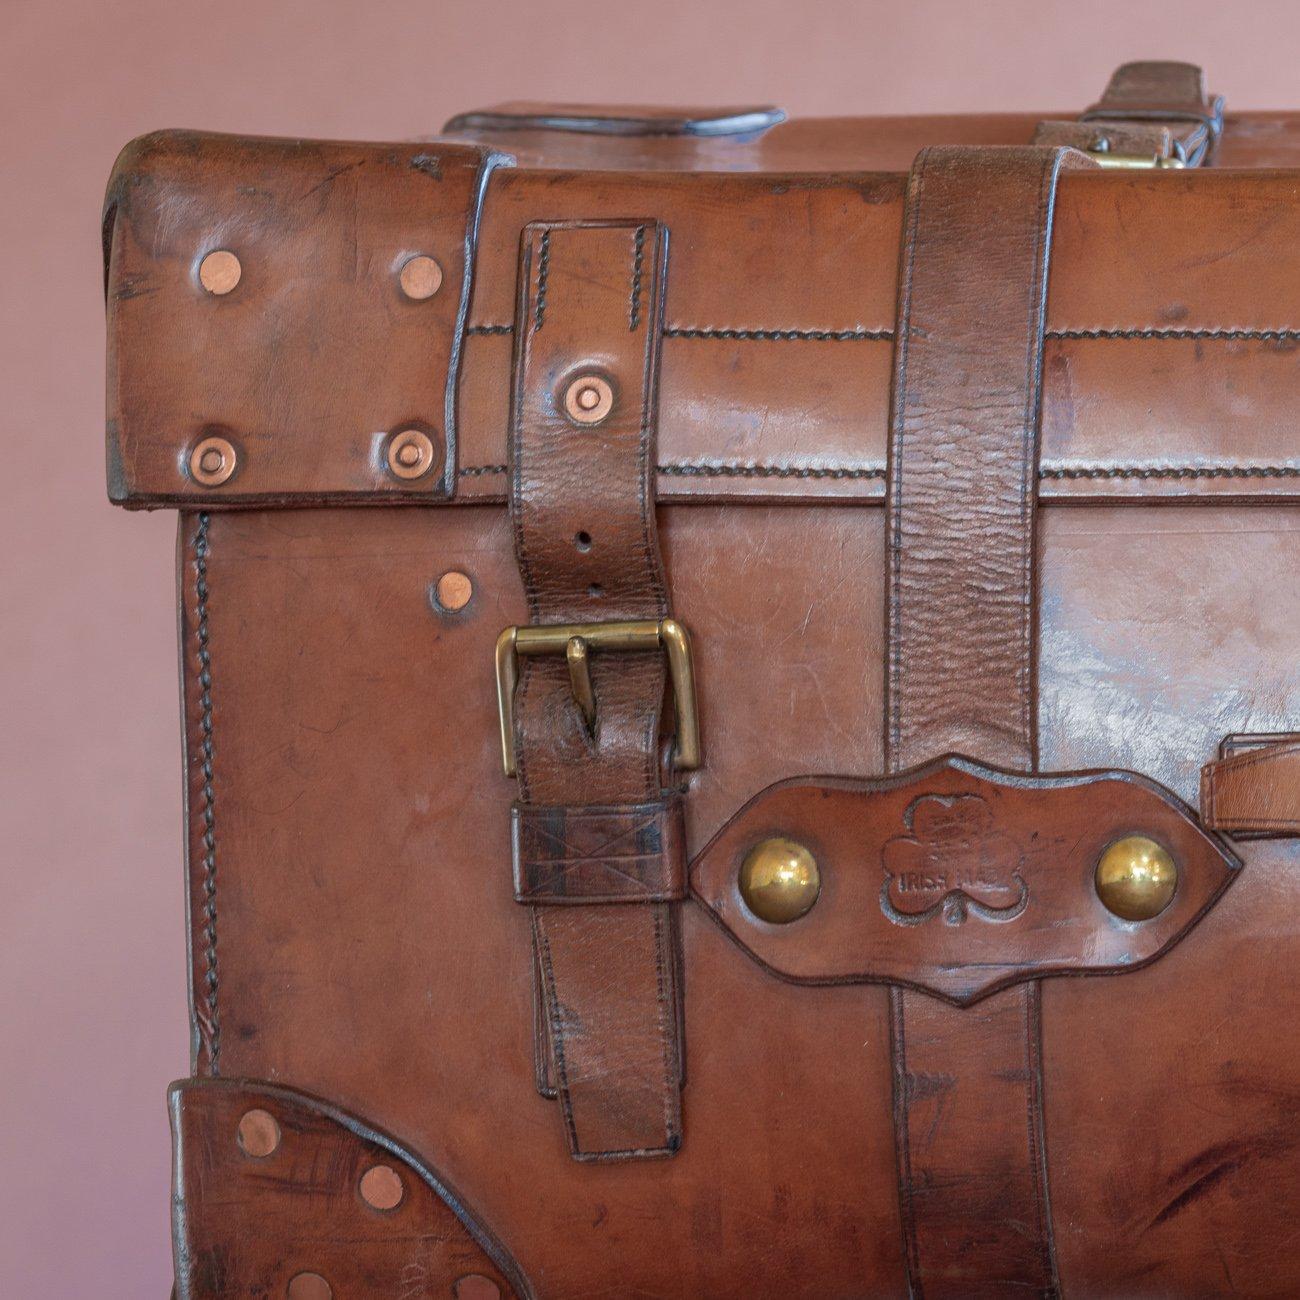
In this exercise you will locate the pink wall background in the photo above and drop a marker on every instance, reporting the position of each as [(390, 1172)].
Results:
[(92, 963)]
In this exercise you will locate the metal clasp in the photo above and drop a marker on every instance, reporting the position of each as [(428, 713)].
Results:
[(1100, 154), (575, 641)]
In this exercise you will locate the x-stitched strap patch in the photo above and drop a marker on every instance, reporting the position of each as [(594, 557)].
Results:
[(632, 853)]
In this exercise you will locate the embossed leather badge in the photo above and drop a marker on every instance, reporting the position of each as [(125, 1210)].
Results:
[(960, 879), (954, 861)]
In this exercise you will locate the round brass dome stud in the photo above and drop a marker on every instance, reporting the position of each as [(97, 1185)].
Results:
[(410, 453), (258, 1134), (309, 1286), (420, 277), (588, 399), (212, 461), (779, 880), (1136, 878), (381, 1187), (219, 272)]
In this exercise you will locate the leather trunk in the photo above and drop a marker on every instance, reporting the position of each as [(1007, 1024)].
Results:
[(940, 477)]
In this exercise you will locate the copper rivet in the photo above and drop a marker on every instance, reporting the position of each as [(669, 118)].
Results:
[(410, 453), (453, 591), (212, 461), (219, 272), (258, 1133), (474, 1286), (381, 1187), (420, 277), (309, 1286), (589, 399)]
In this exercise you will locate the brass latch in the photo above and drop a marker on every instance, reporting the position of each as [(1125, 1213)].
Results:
[(575, 641), (1100, 154)]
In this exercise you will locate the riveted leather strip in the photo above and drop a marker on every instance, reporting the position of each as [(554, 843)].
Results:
[(583, 511), (632, 854), (960, 676)]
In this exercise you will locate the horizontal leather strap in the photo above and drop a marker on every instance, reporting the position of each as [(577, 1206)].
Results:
[(1254, 791), (631, 853)]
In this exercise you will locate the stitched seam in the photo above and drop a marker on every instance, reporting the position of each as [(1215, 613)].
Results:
[(895, 631), (544, 266), (1207, 794), (1265, 754), (666, 1043), (1028, 443), (779, 334), (754, 470), (1031, 1005), (557, 1031), (1170, 471), (751, 469), (1161, 332), (516, 444), (645, 502), (903, 1144), (776, 335), (1247, 824), (638, 258), (211, 980)]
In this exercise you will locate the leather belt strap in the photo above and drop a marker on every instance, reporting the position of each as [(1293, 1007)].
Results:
[(961, 676), (1157, 109), (593, 828), (1253, 788)]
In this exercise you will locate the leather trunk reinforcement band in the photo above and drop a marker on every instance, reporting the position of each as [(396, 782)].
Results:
[(960, 676), (581, 458)]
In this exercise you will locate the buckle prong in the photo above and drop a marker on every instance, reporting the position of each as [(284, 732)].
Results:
[(576, 641)]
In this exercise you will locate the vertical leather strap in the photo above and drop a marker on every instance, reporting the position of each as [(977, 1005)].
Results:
[(961, 677), (1153, 108), (598, 845)]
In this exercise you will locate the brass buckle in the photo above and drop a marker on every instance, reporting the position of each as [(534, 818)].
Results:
[(575, 641)]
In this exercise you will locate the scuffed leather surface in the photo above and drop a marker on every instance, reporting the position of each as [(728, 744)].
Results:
[(363, 892), (781, 304), (1015, 854), (284, 366), (964, 446), (246, 1225), (333, 687)]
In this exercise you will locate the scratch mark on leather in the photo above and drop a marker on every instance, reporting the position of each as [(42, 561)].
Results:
[(429, 164), (330, 177), (1197, 1188)]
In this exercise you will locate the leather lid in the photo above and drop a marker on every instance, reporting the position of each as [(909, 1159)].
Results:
[(1170, 361)]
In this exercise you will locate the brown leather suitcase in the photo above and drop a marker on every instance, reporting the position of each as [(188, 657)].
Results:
[(741, 712)]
